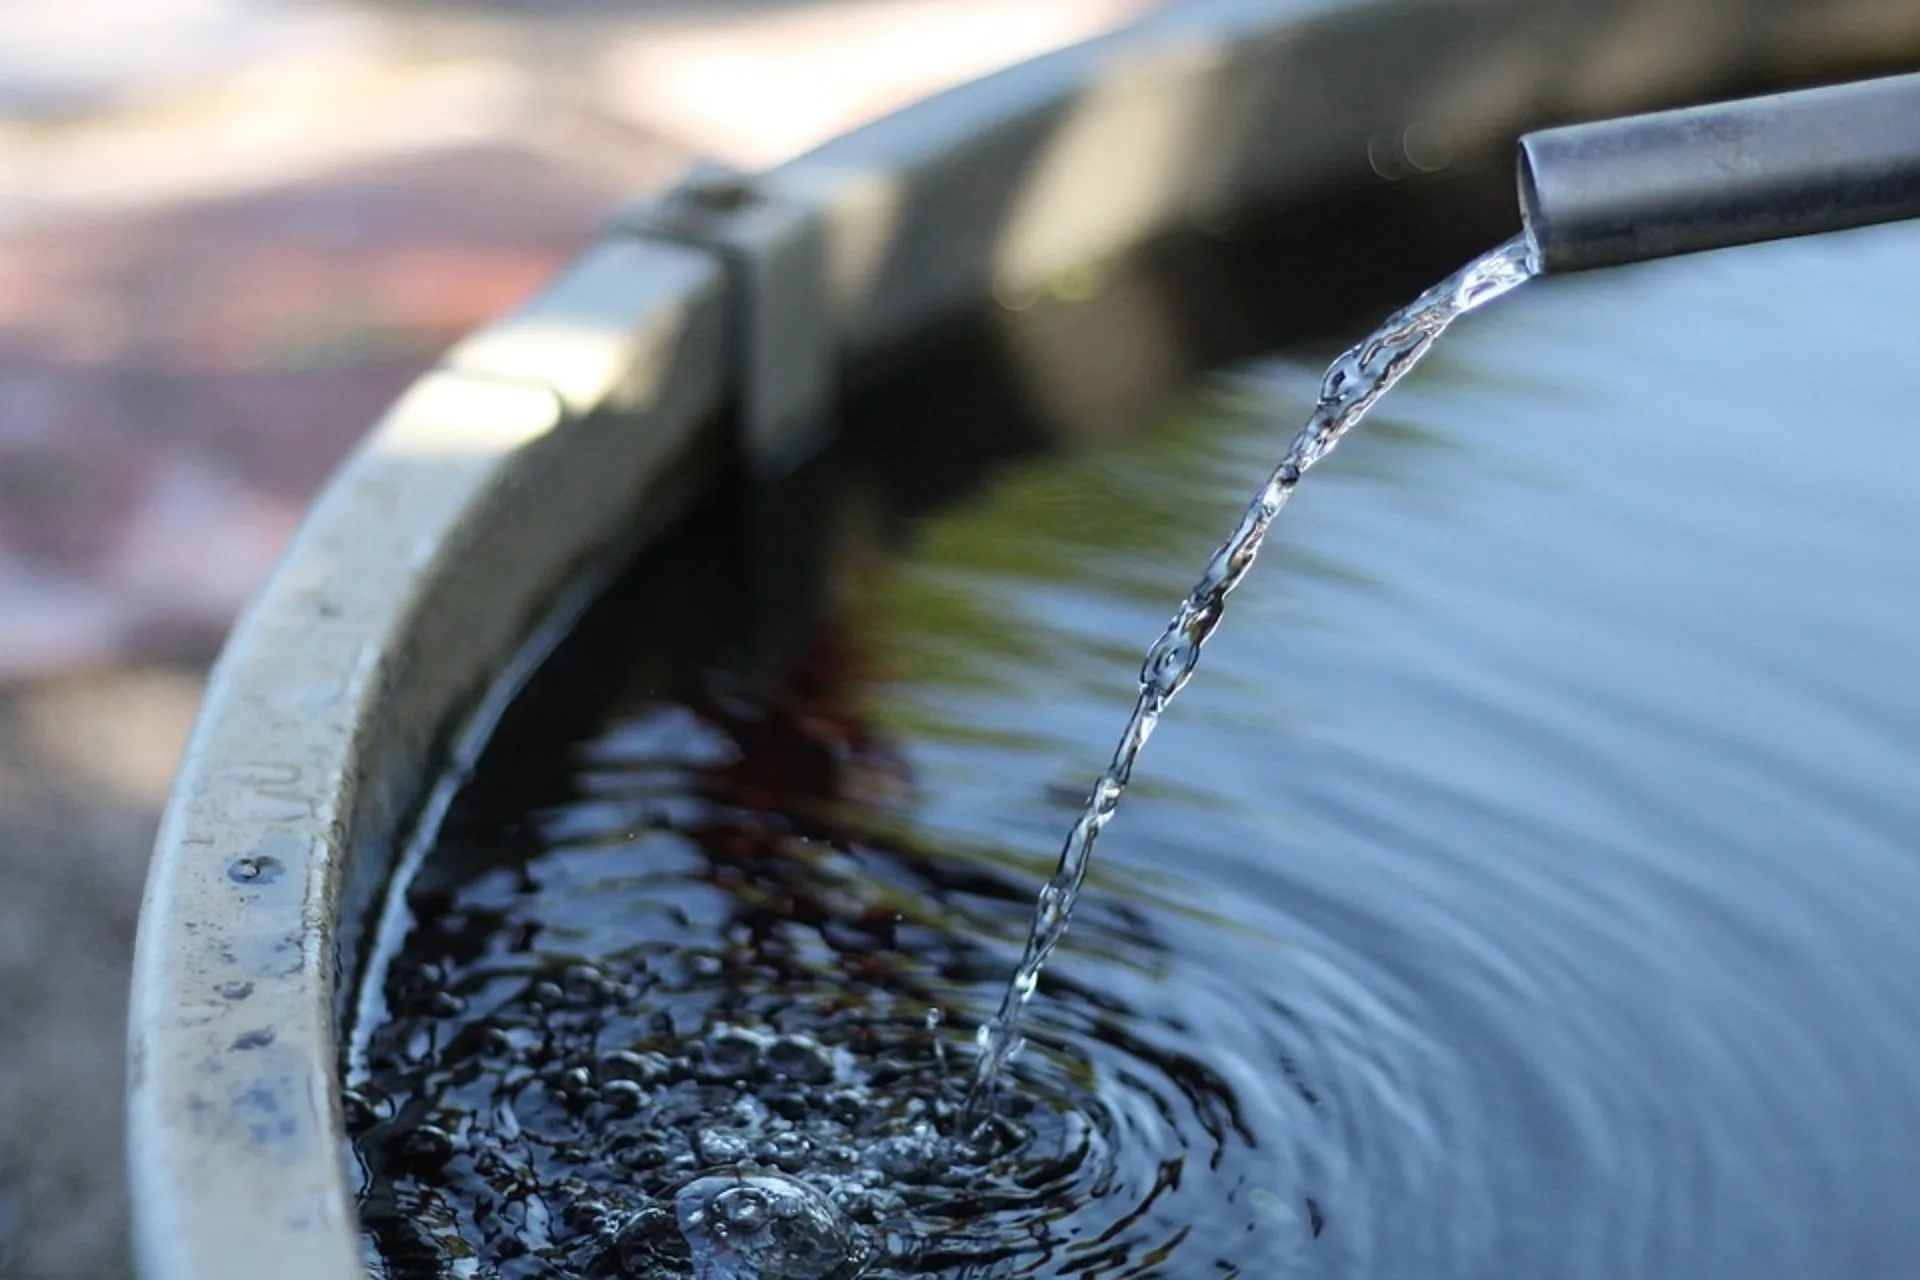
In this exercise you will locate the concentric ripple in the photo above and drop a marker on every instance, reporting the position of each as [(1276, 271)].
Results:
[(690, 988)]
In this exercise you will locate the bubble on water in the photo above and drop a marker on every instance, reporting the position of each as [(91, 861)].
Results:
[(719, 1147), (428, 1146), (765, 1226), (640, 1156), (584, 982), (915, 1156), (729, 1054), (800, 1058), (645, 1068), (624, 1096)]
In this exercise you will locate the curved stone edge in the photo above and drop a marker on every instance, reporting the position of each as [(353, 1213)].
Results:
[(1206, 109), (431, 556), (419, 570)]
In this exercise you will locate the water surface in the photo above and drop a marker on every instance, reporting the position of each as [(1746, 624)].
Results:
[(1526, 887)]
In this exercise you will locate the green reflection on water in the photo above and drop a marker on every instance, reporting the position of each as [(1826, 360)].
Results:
[(1068, 566), (1009, 630)]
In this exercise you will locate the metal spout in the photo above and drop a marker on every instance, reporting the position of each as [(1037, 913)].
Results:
[(1671, 182)]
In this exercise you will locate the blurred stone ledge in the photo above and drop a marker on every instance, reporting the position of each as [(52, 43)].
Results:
[(232, 230)]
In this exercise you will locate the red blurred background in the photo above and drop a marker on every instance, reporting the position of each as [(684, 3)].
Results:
[(230, 232)]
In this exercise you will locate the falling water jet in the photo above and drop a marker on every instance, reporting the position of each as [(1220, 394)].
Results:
[(1353, 384)]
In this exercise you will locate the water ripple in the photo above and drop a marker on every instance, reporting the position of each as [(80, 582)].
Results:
[(1525, 890)]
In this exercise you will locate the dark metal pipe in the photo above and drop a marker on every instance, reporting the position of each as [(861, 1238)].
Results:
[(1791, 164)]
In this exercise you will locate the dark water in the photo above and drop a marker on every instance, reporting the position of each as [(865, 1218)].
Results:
[(1528, 887)]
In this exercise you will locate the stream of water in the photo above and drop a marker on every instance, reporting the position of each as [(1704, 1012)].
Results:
[(1352, 386)]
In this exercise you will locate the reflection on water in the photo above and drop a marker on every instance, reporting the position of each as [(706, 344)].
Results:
[(1525, 889), (1567, 746), (1356, 380)]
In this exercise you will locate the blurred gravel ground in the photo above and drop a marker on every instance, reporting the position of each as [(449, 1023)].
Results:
[(84, 763), (230, 232)]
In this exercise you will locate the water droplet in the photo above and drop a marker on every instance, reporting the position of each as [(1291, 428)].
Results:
[(788, 1151)]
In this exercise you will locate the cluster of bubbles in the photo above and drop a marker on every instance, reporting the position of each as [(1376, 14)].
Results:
[(685, 1019), (734, 1151)]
